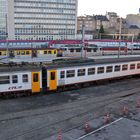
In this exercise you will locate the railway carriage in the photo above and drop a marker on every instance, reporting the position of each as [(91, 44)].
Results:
[(74, 74), (64, 75), (19, 80), (28, 52)]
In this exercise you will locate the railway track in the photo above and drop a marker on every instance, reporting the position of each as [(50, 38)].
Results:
[(76, 110)]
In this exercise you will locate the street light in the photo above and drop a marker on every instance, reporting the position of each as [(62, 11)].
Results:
[(83, 38), (120, 31), (132, 44)]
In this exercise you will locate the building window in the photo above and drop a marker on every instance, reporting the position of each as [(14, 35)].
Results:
[(35, 77), (4, 80), (91, 71), (109, 69), (100, 70), (70, 73), (124, 67), (132, 66), (62, 74), (14, 79), (117, 68), (25, 78), (81, 72)]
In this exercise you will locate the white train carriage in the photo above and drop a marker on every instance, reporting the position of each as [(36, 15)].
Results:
[(18, 79), (74, 74), (76, 50)]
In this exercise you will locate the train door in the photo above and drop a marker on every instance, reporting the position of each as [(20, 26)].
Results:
[(44, 79), (52, 80), (35, 82)]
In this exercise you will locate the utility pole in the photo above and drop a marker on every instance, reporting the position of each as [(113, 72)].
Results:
[(7, 47), (120, 31), (83, 39), (132, 44)]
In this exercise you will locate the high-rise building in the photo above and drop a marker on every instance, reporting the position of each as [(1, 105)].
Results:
[(3, 19), (39, 19)]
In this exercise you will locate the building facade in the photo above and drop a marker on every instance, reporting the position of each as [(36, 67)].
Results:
[(41, 19), (3, 19), (133, 19)]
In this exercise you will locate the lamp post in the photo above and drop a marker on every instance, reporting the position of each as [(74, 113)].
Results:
[(132, 44), (120, 30), (83, 38)]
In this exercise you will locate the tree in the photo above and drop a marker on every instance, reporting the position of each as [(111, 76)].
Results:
[(101, 31)]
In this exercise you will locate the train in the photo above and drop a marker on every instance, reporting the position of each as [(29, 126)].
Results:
[(103, 43), (63, 74), (29, 52)]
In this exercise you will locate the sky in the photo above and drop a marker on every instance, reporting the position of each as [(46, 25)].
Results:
[(121, 7)]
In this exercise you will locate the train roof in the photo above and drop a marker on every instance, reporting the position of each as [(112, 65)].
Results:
[(27, 48), (63, 63), (85, 62), (18, 67)]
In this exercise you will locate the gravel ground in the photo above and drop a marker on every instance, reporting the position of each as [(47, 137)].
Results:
[(42, 117)]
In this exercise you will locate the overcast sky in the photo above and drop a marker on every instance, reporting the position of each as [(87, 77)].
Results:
[(122, 7)]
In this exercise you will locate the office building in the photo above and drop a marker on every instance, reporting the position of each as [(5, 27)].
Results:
[(39, 19)]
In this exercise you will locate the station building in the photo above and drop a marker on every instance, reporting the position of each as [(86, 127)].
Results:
[(38, 19)]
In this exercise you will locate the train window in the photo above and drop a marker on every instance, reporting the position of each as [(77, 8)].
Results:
[(0, 53), (88, 50), (22, 52), (109, 69), (18, 52), (27, 52), (14, 79), (138, 66), (117, 68), (35, 77), (81, 72), (52, 75), (91, 71), (132, 66), (4, 53), (100, 70), (4, 80), (78, 50), (71, 50), (70, 73), (124, 67), (49, 52), (55, 52), (62, 74), (45, 52), (25, 78)]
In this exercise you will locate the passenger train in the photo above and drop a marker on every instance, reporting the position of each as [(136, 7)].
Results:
[(64, 74), (29, 52)]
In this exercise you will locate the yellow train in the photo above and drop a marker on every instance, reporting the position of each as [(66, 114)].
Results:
[(30, 52)]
